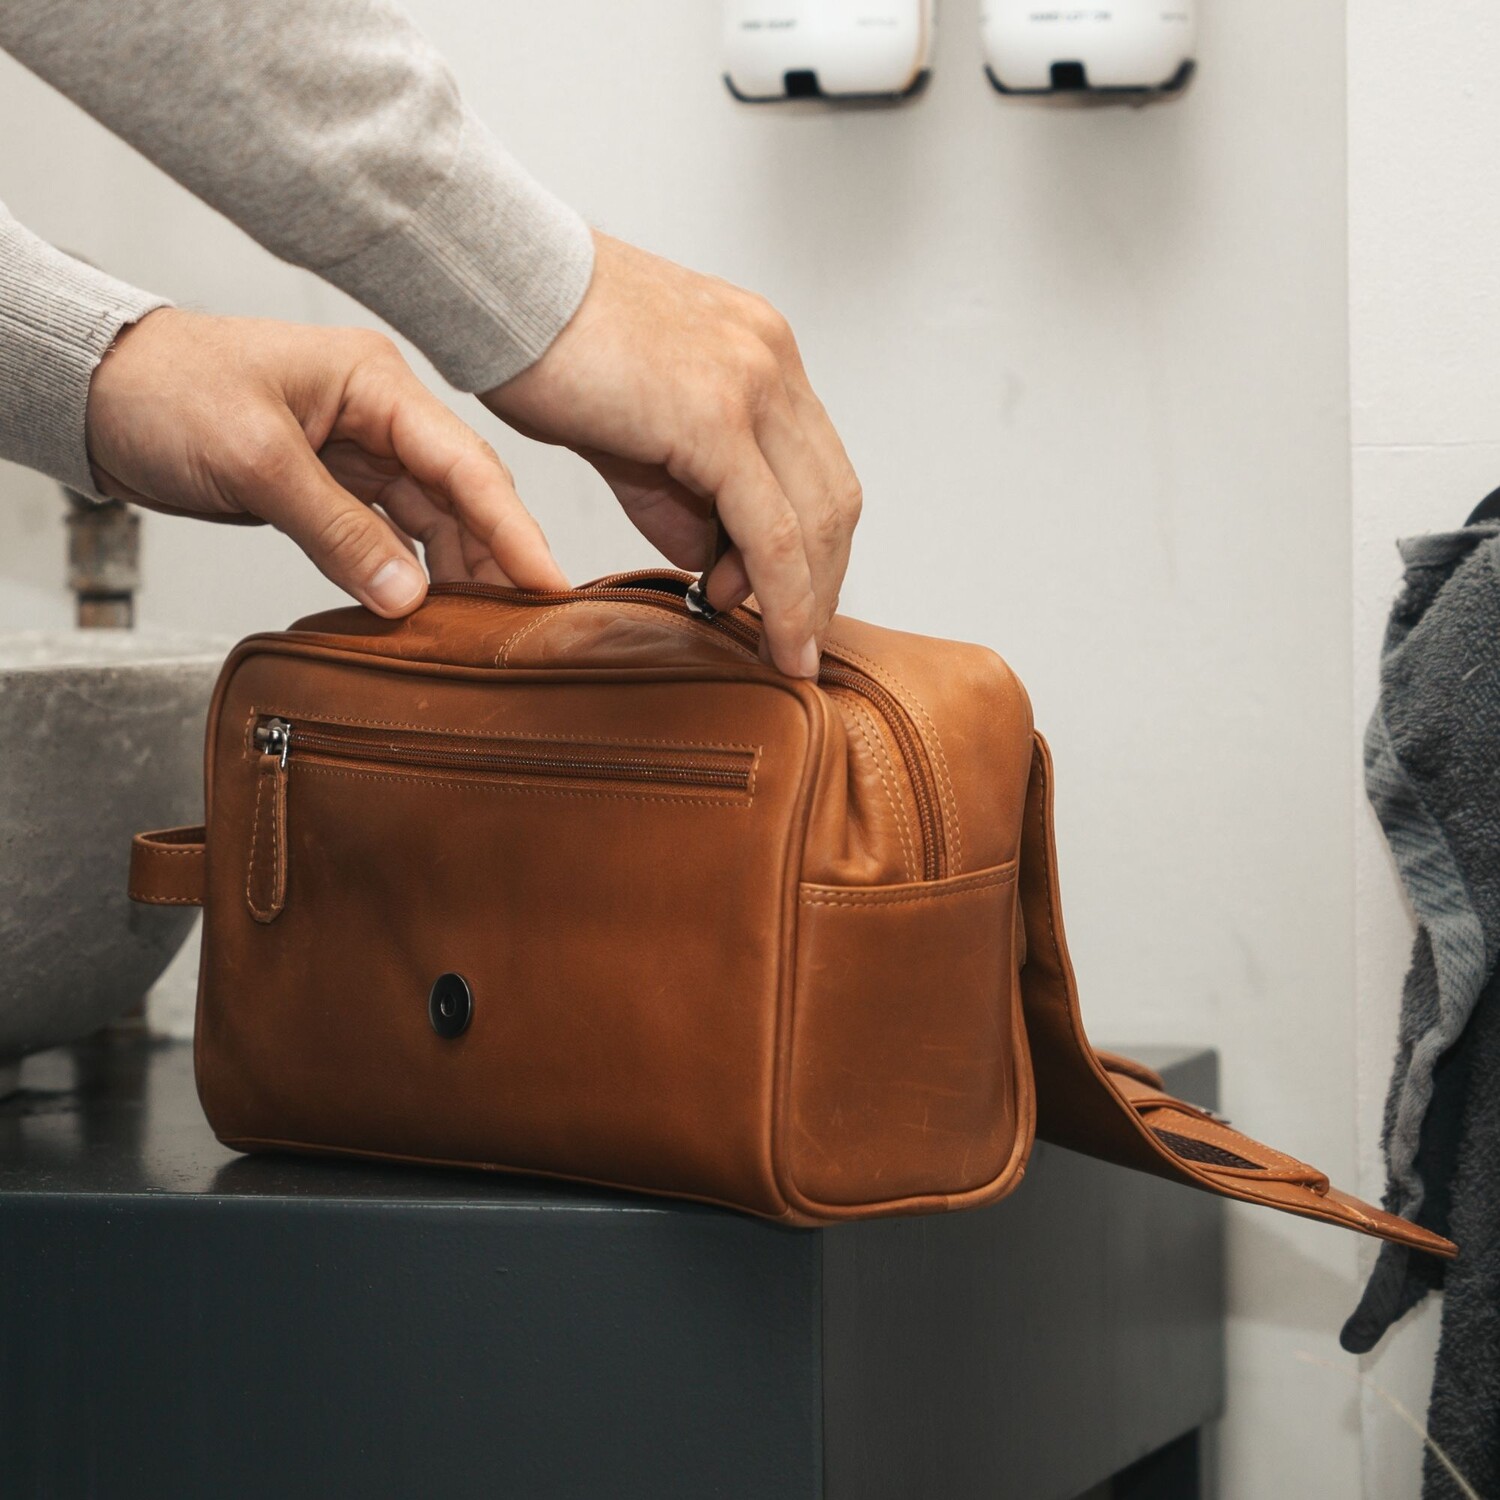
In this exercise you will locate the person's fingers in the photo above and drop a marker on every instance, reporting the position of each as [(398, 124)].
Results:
[(448, 458), (845, 495), (279, 477), (727, 583), (802, 473), (664, 369), (679, 522), (479, 561), (441, 536), (383, 482), (756, 513), (676, 521)]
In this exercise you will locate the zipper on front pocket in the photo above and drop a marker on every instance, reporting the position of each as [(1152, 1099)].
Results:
[(670, 768), (712, 773), (674, 592)]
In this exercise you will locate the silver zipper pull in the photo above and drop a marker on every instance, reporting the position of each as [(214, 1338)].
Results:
[(697, 601), (274, 737), (696, 596)]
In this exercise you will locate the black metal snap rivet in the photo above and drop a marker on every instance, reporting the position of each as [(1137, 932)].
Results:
[(450, 1005)]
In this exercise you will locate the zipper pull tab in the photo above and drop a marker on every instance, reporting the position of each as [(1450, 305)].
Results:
[(274, 737), (265, 881), (697, 601), (696, 597)]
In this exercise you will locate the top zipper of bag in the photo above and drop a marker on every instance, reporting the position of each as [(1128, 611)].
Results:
[(676, 593)]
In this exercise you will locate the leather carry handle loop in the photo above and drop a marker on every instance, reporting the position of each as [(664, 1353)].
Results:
[(166, 867)]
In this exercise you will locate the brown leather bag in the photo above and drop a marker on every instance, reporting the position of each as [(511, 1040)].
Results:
[(573, 884)]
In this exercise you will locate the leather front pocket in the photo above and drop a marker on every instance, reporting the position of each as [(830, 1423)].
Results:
[(702, 774), (605, 878), (907, 1073)]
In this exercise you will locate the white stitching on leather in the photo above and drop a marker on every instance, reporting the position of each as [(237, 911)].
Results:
[(502, 659)]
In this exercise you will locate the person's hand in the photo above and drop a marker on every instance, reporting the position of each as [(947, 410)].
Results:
[(310, 429), (686, 392)]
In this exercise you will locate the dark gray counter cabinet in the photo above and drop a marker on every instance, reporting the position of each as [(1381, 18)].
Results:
[(176, 1321)]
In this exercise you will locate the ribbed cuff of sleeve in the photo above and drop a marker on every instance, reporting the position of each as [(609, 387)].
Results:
[(58, 318), (485, 273)]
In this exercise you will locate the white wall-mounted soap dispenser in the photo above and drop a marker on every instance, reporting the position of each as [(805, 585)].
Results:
[(1131, 50), (826, 49)]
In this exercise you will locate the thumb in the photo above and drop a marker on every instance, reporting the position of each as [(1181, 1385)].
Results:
[(349, 543)]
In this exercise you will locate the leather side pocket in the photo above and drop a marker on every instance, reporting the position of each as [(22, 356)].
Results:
[(908, 1079)]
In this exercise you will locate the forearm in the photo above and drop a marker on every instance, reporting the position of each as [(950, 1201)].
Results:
[(334, 134), (57, 319)]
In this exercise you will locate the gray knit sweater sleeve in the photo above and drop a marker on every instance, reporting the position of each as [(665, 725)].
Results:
[(334, 134), (57, 318)]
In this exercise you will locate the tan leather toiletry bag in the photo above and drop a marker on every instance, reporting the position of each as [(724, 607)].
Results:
[(573, 884)]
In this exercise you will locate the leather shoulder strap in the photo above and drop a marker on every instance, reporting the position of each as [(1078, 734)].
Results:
[(1116, 1109), (166, 867)]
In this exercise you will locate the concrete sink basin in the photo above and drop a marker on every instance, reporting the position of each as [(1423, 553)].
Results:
[(101, 734)]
